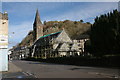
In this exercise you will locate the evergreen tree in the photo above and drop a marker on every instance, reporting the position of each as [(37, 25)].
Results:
[(105, 34)]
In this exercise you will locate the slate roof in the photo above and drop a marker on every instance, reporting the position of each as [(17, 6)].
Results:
[(50, 34), (41, 39), (37, 18)]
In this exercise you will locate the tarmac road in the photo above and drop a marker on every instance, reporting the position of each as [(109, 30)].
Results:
[(47, 70)]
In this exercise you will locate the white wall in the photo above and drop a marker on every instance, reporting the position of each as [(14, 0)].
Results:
[(3, 59), (3, 45)]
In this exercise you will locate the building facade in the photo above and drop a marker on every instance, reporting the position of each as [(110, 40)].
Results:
[(58, 44), (80, 43), (18, 53), (52, 45), (3, 41)]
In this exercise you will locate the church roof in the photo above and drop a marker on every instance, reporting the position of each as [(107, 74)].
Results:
[(41, 39), (37, 18), (50, 34)]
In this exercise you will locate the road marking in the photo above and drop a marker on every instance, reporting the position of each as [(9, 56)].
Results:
[(29, 74)]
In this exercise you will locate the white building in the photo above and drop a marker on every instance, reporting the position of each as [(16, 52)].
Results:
[(3, 41)]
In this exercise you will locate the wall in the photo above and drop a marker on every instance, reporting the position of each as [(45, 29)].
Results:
[(3, 60), (3, 44)]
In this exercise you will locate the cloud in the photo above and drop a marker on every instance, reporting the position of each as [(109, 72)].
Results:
[(76, 13), (87, 12)]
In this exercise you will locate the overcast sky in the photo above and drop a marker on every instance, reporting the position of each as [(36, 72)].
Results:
[(22, 14)]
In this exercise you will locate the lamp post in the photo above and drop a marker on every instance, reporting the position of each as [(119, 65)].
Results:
[(9, 42)]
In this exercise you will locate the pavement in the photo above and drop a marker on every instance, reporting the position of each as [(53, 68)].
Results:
[(14, 72)]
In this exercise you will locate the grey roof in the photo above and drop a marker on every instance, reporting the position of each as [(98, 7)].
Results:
[(37, 19), (4, 16), (50, 34), (47, 37)]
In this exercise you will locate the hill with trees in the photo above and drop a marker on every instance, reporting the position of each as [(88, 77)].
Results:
[(73, 28)]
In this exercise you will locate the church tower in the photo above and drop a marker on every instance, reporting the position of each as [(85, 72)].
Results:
[(37, 27)]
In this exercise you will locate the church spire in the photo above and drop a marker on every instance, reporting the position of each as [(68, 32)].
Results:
[(37, 18), (37, 27)]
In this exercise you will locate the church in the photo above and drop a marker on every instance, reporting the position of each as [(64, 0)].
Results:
[(40, 45), (56, 44)]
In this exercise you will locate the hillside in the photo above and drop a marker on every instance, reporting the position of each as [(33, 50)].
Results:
[(73, 28), (28, 40)]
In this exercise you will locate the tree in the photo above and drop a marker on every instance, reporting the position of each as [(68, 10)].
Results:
[(104, 34), (88, 22), (44, 22), (81, 21), (87, 47)]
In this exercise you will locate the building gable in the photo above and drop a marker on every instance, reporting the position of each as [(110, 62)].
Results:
[(63, 37), (64, 47), (75, 47)]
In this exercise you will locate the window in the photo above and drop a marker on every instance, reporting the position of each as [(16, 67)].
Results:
[(80, 48), (3, 22), (2, 39), (78, 41)]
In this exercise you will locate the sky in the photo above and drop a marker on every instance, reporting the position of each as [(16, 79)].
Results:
[(22, 14)]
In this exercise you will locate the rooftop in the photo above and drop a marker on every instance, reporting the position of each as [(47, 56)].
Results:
[(50, 34), (4, 16)]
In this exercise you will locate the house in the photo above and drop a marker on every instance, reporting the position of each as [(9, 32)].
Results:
[(19, 53), (4, 41), (81, 43)]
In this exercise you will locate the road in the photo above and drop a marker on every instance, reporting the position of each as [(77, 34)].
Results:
[(46, 70)]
